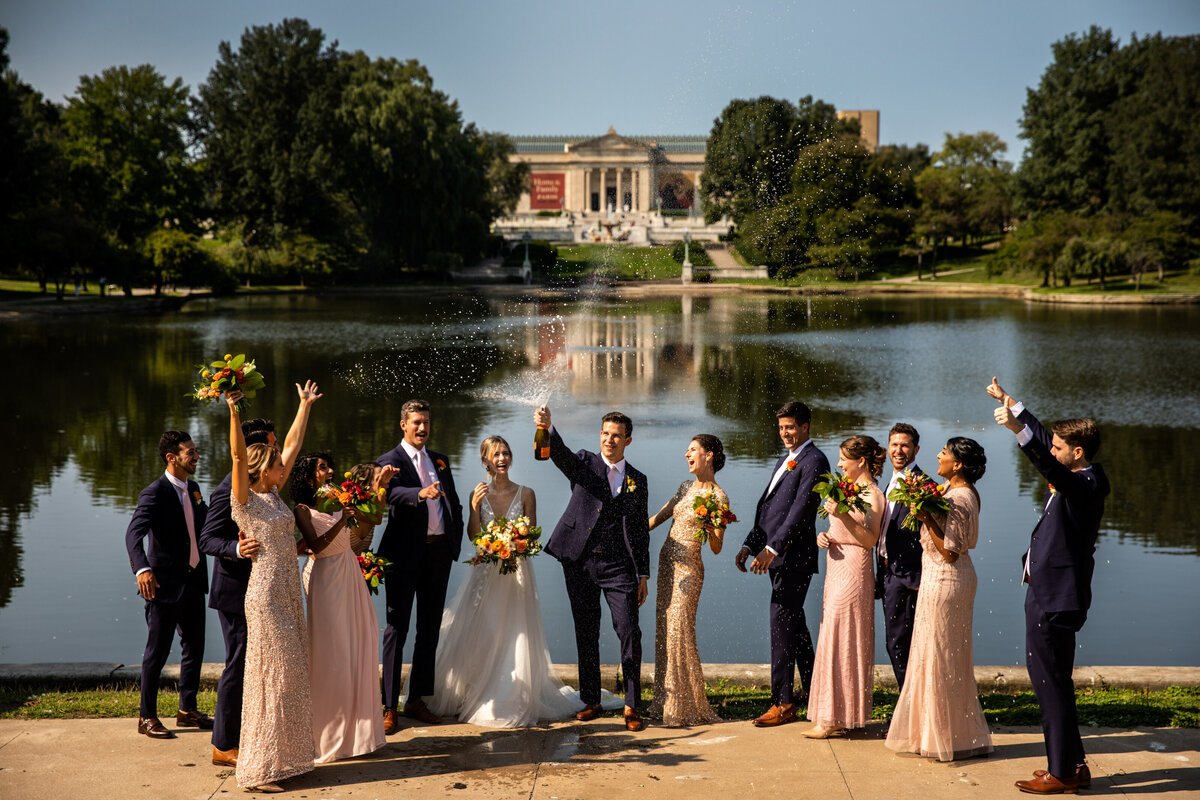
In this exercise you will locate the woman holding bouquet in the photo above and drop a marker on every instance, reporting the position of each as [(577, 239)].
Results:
[(493, 664), (276, 736), (843, 675), (938, 714), (343, 630), (679, 697), (376, 476)]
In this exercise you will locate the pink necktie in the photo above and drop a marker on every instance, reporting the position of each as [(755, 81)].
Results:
[(613, 480), (189, 517)]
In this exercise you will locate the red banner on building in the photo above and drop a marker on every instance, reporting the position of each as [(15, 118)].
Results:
[(547, 190)]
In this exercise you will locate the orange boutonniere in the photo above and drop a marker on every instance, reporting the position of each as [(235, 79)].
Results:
[(441, 465), (1053, 490), (630, 485), (196, 496), (791, 464)]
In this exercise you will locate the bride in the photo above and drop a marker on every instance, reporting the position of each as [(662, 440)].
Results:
[(493, 665)]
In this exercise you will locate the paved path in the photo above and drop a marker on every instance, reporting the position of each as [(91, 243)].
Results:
[(102, 759), (722, 258)]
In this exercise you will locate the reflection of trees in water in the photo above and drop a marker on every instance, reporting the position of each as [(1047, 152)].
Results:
[(1149, 504)]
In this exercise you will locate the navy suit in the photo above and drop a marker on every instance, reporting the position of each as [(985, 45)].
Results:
[(231, 573), (157, 538), (786, 521), (603, 544), (421, 570), (897, 579), (1060, 560)]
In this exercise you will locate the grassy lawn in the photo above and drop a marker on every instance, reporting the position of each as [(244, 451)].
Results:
[(614, 261)]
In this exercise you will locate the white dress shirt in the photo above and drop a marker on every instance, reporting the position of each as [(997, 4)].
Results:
[(793, 455), (427, 471), (189, 516), (890, 505)]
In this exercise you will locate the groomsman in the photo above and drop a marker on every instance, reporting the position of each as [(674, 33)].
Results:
[(898, 554), (602, 541), (1058, 568), (221, 538), (783, 542), (423, 538), (172, 577)]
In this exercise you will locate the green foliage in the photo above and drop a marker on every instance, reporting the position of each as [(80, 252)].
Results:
[(696, 254), (177, 258), (966, 191)]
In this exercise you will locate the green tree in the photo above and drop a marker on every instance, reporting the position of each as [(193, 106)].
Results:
[(506, 180)]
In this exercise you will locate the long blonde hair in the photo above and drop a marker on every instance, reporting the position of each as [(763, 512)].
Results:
[(259, 458)]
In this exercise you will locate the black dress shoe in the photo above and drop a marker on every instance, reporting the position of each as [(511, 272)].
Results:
[(193, 719), (151, 727)]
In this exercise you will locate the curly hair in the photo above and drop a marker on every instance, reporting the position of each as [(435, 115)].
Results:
[(863, 446), (300, 487), (711, 444), (969, 453)]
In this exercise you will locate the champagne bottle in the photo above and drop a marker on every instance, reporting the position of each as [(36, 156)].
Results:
[(541, 444)]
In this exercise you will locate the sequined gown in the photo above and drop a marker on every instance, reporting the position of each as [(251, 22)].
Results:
[(843, 669), (343, 633), (276, 739), (938, 714), (678, 678)]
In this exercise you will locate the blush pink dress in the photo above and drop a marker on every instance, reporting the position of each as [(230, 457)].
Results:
[(343, 656), (843, 669), (938, 714)]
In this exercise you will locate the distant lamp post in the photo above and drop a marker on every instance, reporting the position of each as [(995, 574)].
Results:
[(526, 267), (687, 262)]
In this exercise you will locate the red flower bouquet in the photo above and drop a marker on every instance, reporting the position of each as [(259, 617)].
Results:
[(846, 493)]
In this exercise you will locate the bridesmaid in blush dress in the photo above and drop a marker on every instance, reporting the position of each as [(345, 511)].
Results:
[(343, 658), (938, 714), (276, 736), (679, 696), (843, 674)]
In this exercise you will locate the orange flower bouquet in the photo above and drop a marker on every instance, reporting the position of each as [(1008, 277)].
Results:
[(505, 541), (350, 494), (919, 490), (373, 568), (707, 510), (846, 493), (226, 375)]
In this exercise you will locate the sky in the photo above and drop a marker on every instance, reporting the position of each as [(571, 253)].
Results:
[(930, 67)]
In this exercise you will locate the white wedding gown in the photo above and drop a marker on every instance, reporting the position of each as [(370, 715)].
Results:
[(492, 664)]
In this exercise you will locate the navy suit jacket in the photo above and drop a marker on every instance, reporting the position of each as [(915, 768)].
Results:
[(590, 493), (786, 517), (157, 537), (903, 547), (1062, 550), (408, 515), (219, 538)]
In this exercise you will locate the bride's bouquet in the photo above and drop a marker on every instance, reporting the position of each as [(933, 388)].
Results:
[(710, 513), (373, 567), (351, 494), (225, 375), (504, 541), (846, 493), (917, 489)]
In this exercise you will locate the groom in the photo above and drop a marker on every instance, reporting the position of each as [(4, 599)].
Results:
[(1058, 567), (603, 544), (783, 542)]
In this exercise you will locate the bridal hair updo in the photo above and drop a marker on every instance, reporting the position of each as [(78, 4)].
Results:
[(259, 459), (300, 485), (969, 453), (711, 444), (489, 447), (863, 446)]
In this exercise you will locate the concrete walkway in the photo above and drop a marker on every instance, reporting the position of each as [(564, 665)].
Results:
[(105, 758)]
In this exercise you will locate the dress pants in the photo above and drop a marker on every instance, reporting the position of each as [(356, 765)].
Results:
[(899, 611), (1050, 649), (791, 643), (424, 580), (227, 721), (586, 579), (162, 620)]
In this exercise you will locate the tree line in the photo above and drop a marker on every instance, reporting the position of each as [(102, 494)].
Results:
[(293, 161), (1109, 182)]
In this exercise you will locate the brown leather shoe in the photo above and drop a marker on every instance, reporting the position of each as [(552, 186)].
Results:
[(225, 758), (416, 709), (151, 727), (589, 713), (1083, 775), (193, 719), (633, 722), (391, 721), (1048, 784), (776, 715)]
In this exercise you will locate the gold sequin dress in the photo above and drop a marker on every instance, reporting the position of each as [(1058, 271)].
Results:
[(678, 679), (277, 735)]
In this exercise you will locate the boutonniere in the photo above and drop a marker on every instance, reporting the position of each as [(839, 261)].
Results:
[(198, 498), (441, 465), (630, 485), (1053, 491), (791, 464)]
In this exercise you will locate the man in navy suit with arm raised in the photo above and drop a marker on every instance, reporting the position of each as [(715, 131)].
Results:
[(783, 542), (602, 541), (172, 577), (1058, 567)]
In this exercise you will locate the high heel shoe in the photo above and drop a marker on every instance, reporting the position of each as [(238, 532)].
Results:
[(823, 733), (266, 788)]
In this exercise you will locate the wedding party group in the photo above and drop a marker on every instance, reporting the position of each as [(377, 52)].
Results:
[(301, 683)]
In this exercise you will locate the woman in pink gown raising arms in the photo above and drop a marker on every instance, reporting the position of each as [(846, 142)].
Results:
[(843, 671), (938, 714)]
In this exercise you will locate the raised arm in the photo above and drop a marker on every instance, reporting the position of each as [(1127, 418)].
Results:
[(295, 435), (240, 482)]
